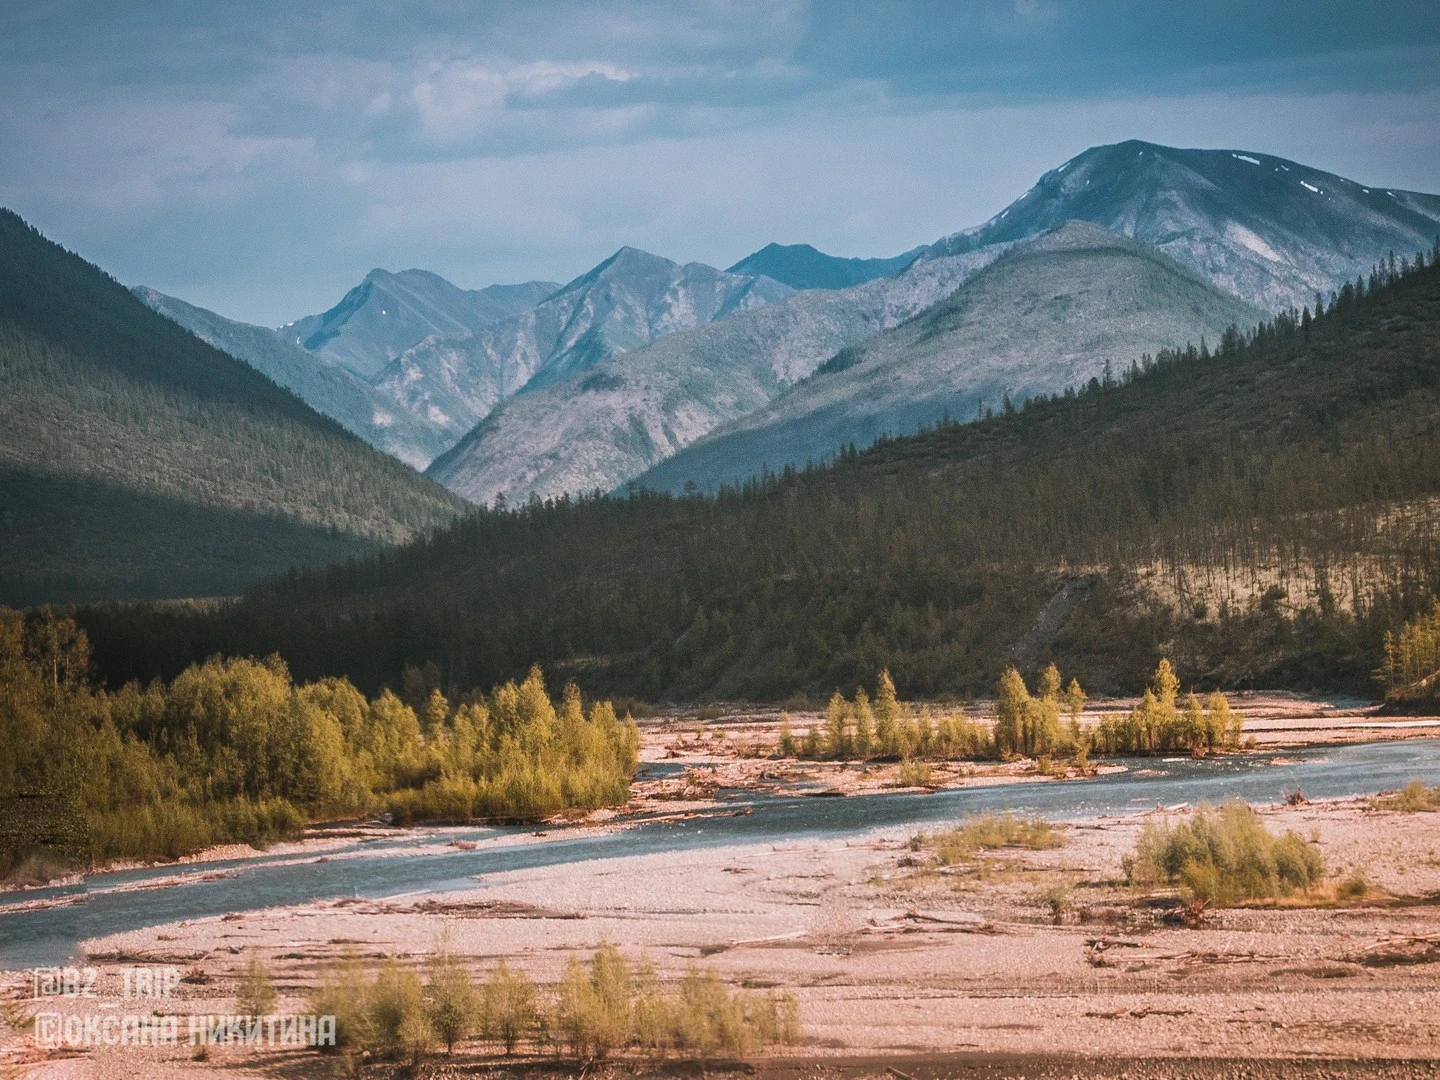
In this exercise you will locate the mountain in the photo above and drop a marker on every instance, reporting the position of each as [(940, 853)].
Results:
[(629, 300), (1053, 313), (136, 460), (803, 267), (1262, 517), (321, 383), (387, 313), (623, 415), (1272, 231)]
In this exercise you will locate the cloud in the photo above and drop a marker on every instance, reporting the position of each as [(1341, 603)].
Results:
[(259, 158)]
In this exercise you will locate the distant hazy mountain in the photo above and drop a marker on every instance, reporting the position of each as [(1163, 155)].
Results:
[(803, 267), (629, 300), (601, 428), (387, 313), (137, 460), (1052, 313), (321, 383), (1269, 230)]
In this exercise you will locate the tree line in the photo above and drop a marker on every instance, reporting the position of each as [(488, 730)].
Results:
[(1042, 724)]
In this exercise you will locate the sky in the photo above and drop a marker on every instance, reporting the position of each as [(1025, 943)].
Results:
[(258, 158)]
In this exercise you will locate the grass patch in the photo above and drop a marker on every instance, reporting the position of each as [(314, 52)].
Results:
[(988, 832), (1412, 798), (1224, 856)]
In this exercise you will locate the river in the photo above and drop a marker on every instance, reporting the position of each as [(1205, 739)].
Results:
[(50, 935)]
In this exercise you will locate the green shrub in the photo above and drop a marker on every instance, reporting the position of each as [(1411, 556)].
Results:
[(451, 1000), (1224, 856), (400, 1022), (234, 751), (599, 1009), (508, 1010), (1056, 901), (343, 992), (1157, 725), (593, 1014), (1354, 887)]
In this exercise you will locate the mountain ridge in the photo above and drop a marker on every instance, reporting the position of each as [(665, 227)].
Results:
[(1272, 231), (324, 384), (626, 302), (1053, 312), (1248, 223), (628, 412), (388, 312)]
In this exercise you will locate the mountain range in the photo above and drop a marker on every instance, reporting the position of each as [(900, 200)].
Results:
[(624, 303), (540, 389), (438, 378), (603, 428), (1057, 311), (1268, 231), (324, 384)]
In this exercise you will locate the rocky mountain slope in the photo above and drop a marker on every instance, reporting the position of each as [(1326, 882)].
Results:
[(629, 300), (1272, 231), (1054, 313), (387, 313), (803, 267), (600, 429), (323, 384)]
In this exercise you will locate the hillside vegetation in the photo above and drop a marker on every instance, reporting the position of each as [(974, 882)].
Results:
[(137, 461), (1262, 515)]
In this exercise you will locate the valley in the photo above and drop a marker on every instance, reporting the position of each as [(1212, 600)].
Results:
[(1015, 656)]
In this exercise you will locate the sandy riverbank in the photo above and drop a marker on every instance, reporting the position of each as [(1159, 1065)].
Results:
[(892, 958)]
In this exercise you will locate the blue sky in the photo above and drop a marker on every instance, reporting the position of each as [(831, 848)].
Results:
[(259, 157)]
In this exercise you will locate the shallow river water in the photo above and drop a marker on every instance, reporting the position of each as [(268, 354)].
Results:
[(49, 935)]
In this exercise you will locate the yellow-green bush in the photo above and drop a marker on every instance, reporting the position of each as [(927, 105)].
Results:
[(1412, 798), (1224, 856), (886, 728)]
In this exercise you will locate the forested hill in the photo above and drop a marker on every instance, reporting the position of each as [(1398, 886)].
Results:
[(1261, 515), (137, 461)]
